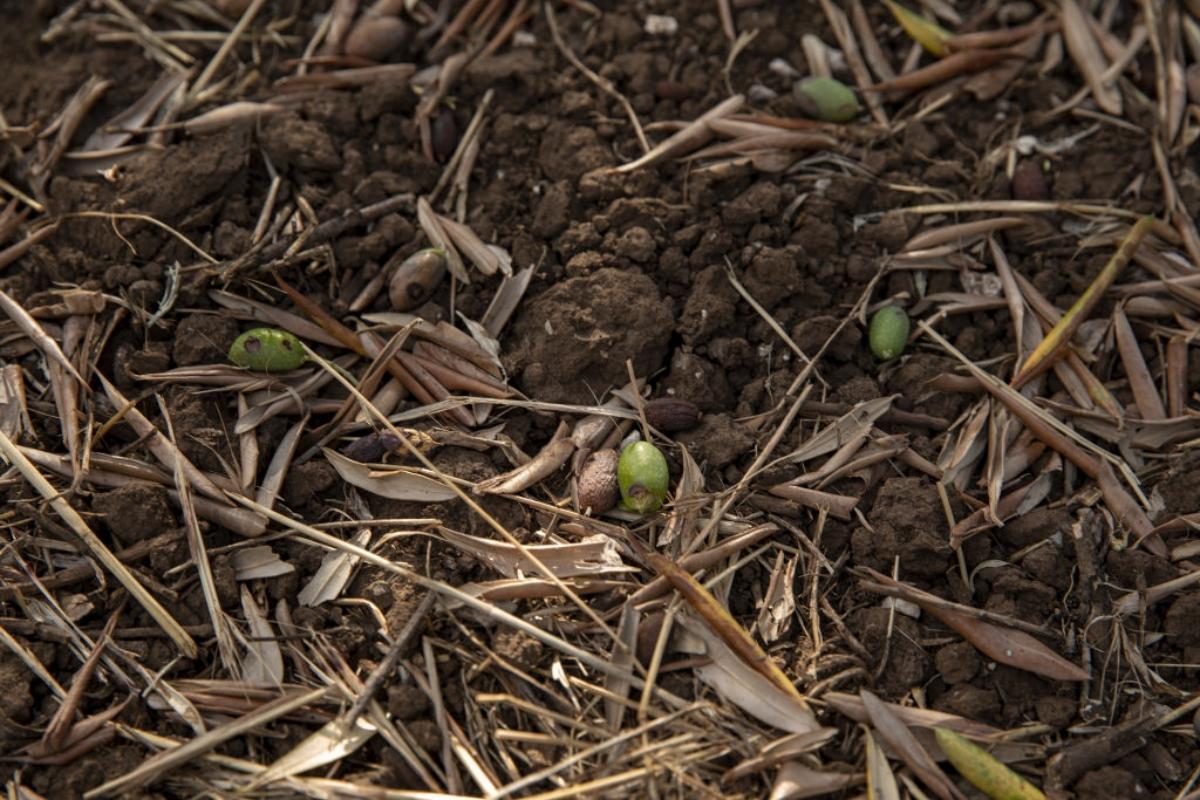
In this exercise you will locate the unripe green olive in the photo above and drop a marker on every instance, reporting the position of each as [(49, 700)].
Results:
[(827, 99), (643, 476), (267, 350), (889, 332)]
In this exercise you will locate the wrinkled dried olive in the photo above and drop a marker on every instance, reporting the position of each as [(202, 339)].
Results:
[(597, 488), (416, 278), (643, 476), (267, 350)]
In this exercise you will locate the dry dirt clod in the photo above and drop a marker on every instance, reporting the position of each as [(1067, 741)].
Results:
[(671, 414), (598, 488)]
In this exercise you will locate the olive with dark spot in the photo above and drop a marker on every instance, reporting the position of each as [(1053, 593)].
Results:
[(267, 350), (416, 278)]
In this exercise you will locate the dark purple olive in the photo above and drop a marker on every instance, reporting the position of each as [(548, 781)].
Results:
[(444, 135)]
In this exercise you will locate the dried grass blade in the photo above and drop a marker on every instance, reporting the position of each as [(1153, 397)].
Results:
[(900, 738), (230, 114), (1177, 388), (548, 461), (31, 328), (105, 556), (162, 448), (962, 234), (594, 555), (1145, 393), (199, 555), (484, 257), (119, 130), (154, 767), (264, 665), (941, 71), (63, 722), (14, 411), (627, 633), (855, 423), (839, 506), (693, 135), (1085, 51), (723, 624)]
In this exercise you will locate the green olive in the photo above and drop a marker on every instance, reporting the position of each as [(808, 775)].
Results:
[(827, 99), (267, 350), (889, 332), (643, 476)]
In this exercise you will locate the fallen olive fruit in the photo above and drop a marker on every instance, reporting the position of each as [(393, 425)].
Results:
[(597, 487), (889, 332), (672, 414), (643, 476), (416, 278), (267, 350), (377, 36), (827, 99)]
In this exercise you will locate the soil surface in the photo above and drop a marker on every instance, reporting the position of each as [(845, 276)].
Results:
[(632, 271)]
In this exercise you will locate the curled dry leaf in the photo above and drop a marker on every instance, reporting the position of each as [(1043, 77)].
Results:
[(396, 483), (591, 556), (543, 465)]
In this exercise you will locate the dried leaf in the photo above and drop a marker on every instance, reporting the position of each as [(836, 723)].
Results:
[(921, 29), (1014, 648), (590, 556), (797, 781), (548, 461), (742, 685), (333, 574), (253, 563), (334, 741), (984, 771), (396, 483), (902, 741), (881, 783), (264, 663), (855, 423)]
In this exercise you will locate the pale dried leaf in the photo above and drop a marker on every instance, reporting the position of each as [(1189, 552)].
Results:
[(263, 665), (260, 561), (854, 423), (548, 461), (590, 556), (334, 741), (333, 574), (901, 740), (739, 683), (796, 781), (396, 483)]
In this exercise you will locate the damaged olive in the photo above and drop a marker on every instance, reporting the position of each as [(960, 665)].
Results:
[(416, 278), (888, 333), (377, 36), (597, 488), (643, 477), (267, 350), (827, 99)]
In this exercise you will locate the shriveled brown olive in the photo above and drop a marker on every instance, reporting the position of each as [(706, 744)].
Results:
[(416, 278), (597, 488), (1029, 181), (376, 36)]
